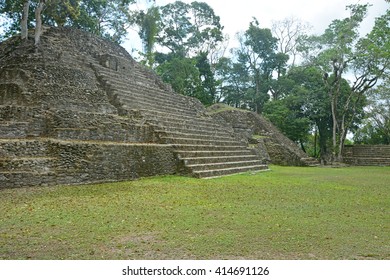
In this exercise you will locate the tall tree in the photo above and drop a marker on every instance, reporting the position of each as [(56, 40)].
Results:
[(234, 82), (187, 36), (376, 128), (107, 18), (148, 29), (24, 20), (303, 107), (38, 21), (61, 12), (258, 52), (288, 32), (339, 51), (181, 73), (189, 29)]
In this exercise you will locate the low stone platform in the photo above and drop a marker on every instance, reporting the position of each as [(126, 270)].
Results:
[(367, 155)]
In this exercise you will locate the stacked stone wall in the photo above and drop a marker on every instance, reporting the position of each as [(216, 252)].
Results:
[(55, 162), (367, 155)]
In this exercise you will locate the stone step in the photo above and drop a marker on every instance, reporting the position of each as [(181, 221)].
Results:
[(223, 165), (131, 103), (161, 119), (377, 154), (186, 127), (130, 86), (180, 130), (197, 152), (158, 103), (209, 135), (365, 161), (228, 171), (218, 159), (136, 76), (311, 161), (201, 141), (195, 114), (132, 80), (176, 117), (153, 99)]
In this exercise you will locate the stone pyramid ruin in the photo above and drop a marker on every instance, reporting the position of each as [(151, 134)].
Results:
[(78, 109)]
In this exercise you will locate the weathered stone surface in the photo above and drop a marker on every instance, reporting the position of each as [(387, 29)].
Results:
[(48, 162), (366, 155), (78, 109), (269, 142)]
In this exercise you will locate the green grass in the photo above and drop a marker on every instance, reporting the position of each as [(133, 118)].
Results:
[(287, 213)]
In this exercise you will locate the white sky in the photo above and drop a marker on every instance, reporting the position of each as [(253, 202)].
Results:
[(236, 15)]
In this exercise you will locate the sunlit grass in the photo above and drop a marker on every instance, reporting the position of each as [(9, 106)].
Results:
[(287, 213)]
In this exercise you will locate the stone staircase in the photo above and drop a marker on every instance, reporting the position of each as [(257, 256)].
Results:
[(204, 147), (310, 161), (80, 110), (367, 155)]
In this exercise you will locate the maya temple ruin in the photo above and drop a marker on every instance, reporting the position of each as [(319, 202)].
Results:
[(79, 109)]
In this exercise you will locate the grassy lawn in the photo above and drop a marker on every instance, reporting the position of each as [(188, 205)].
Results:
[(287, 213)]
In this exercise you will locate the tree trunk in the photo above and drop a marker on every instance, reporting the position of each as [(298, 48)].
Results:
[(343, 135), (323, 147), (334, 127), (23, 23), (38, 23), (315, 141)]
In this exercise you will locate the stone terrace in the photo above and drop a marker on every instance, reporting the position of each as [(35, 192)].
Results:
[(368, 155)]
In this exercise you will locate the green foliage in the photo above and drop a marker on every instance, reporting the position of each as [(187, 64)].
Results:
[(61, 12), (208, 83), (299, 100), (188, 29), (106, 18), (371, 134), (235, 82), (287, 213), (187, 33), (338, 52), (188, 76), (182, 74), (373, 53), (288, 117), (148, 30), (315, 105), (258, 57), (11, 11), (376, 128)]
